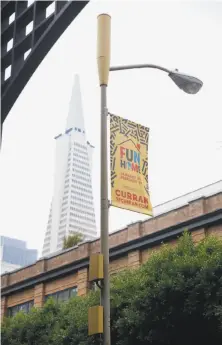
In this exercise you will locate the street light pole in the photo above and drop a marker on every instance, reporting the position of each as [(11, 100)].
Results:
[(103, 60), (187, 83), (104, 218)]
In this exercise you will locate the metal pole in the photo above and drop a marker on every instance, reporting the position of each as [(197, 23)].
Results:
[(104, 216), (103, 60)]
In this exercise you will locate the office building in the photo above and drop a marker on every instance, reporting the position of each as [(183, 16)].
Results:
[(72, 207), (14, 254)]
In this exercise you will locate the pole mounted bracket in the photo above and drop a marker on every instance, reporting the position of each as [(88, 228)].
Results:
[(95, 320), (110, 114), (105, 203), (99, 284), (96, 270)]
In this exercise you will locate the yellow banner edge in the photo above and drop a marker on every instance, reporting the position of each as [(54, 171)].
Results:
[(149, 213)]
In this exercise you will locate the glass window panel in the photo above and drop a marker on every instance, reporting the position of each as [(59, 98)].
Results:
[(31, 305), (73, 292), (14, 311), (24, 307), (53, 296), (63, 295)]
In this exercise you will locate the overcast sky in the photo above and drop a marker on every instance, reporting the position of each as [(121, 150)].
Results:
[(185, 129)]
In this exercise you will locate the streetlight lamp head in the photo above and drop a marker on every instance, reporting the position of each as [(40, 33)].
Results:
[(185, 82)]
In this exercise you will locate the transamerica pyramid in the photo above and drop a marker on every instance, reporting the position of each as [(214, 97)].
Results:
[(72, 206)]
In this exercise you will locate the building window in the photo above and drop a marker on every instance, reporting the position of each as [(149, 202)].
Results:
[(25, 307), (85, 231), (77, 215), (80, 167), (80, 199), (64, 295)]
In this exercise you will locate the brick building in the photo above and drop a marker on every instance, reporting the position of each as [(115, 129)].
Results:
[(66, 274)]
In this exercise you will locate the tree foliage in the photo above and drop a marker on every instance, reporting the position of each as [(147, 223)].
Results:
[(72, 240), (173, 299)]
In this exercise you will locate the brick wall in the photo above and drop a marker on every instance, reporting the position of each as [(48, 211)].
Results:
[(145, 254), (215, 230), (63, 283), (3, 307), (39, 295), (198, 235), (83, 282), (132, 260), (20, 297), (118, 265), (213, 203)]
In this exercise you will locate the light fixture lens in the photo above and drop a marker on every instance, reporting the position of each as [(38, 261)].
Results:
[(188, 84)]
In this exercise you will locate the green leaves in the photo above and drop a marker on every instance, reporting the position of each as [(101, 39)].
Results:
[(72, 240), (179, 299), (173, 299)]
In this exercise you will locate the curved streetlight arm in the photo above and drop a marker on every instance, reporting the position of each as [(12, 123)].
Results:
[(121, 68), (185, 82)]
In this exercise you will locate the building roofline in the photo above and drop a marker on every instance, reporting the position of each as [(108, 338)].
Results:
[(160, 214), (190, 193), (147, 241), (61, 252)]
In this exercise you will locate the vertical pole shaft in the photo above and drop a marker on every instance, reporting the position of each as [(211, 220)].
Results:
[(104, 217)]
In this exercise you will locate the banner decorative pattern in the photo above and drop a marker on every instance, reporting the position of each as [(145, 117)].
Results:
[(129, 165)]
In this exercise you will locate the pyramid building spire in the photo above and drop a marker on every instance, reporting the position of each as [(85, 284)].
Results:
[(75, 118), (72, 206)]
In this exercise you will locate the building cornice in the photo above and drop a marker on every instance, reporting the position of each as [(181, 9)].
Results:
[(204, 221)]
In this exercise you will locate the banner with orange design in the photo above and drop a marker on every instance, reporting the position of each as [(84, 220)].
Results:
[(129, 165)]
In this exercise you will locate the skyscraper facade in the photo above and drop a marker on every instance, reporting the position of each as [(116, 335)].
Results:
[(14, 254), (72, 206)]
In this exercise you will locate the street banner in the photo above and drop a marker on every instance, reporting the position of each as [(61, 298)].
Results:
[(129, 165)]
